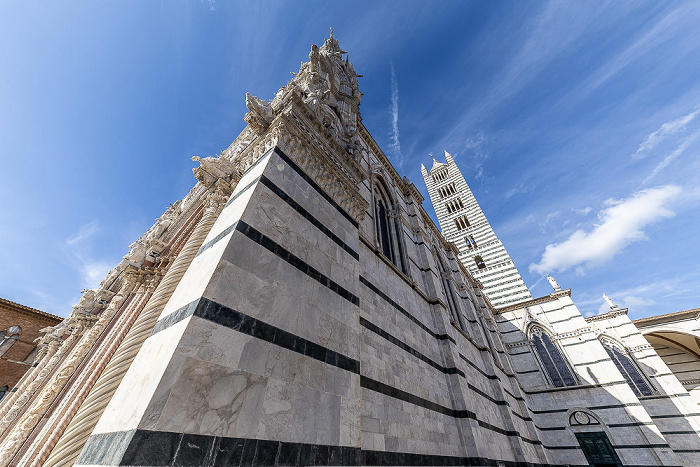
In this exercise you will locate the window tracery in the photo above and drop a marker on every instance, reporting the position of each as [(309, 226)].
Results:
[(388, 227), (628, 368), (552, 359)]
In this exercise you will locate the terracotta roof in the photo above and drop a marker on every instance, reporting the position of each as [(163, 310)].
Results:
[(11, 304)]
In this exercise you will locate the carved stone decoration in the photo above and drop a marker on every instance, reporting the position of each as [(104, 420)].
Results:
[(327, 84), (580, 417), (213, 169), (259, 114)]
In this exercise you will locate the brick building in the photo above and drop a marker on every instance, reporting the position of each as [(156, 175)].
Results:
[(19, 327)]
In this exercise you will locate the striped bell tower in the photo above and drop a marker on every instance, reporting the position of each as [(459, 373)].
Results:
[(463, 222)]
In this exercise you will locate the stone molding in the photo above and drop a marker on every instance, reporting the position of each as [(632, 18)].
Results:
[(537, 301), (610, 314)]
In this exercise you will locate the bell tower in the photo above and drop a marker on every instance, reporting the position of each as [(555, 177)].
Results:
[(463, 222)]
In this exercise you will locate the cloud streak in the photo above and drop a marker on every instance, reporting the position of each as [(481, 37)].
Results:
[(91, 271), (668, 159), (666, 130), (395, 143), (623, 222)]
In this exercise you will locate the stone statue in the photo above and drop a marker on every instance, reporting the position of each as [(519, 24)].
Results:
[(610, 302), (553, 282)]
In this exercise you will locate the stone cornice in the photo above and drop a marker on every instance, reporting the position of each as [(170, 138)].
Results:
[(610, 314), (667, 318), (535, 301)]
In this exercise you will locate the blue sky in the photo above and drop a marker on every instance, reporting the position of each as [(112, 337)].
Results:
[(576, 125)]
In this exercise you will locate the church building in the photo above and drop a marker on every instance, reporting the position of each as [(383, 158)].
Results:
[(299, 307)]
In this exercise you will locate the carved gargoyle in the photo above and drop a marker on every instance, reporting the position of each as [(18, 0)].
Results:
[(213, 168), (259, 114)]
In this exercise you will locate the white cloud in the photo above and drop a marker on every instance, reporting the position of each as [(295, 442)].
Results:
[(584, 212), (395, 144), (666, 130), (622, 224), (668, 159)]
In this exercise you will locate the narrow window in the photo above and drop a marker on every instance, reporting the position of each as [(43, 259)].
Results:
[(555, 365), (462, 222), (479, 262), (389, 228), (3, 391), (629, 370), (8, 338), (383, 230)]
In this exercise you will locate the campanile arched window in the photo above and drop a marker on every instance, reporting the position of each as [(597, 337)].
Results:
[(628, 367), (552, 359)]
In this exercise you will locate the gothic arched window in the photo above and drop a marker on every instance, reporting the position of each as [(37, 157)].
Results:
[(479, 262), (552, 359), (450, 294), (626, 365), (388, 227), (3, 391), (8, 338)]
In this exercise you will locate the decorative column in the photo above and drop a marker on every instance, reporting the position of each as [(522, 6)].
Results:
[(69, 445), (139, 282), (43, 358), (56, 349), (78, 324)]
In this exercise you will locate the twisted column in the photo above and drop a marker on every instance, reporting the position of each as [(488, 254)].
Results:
[(29, 419), (142, 282), (78, 431), (43, 359), (55, 351)]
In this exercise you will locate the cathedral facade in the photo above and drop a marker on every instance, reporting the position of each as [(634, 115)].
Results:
[(300, 307)]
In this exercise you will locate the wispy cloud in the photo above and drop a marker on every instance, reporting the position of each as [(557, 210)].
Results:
[(476, 147), (84, 233), (395, 143), (666, 130), (91, 271), (622, 224), (584, 211), (668, 159)]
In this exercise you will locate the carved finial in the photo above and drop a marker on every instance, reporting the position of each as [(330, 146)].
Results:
[(553, 282), (610, 302), (331, 33)]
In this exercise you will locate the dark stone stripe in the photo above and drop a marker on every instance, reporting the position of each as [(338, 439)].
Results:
[(142, 448), (313, 184), (246, 188), (211, 242), (306, 215), (396, 393), (387, 299), (177, 316), (402, 345), (232, 319), (269, 244)]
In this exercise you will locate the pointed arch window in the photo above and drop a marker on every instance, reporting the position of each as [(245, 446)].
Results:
[(3, 391), (479, 262), (552, 359), (450, 294), (629, 369), (388, 228)]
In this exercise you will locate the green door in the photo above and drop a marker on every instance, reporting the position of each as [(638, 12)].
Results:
[(598, 450)]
